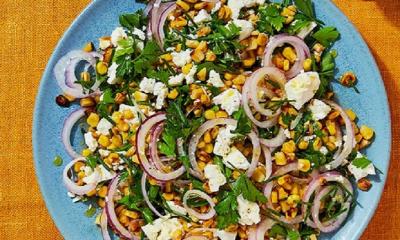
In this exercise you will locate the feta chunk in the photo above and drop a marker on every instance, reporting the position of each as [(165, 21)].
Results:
[(361, 172), (236, 159), (202, 16), (161, 91), (323, 150), (246, 28), (96, 175), (302, 88), (104, 127), (249, 211), (224, 235), (104, 43), (287, 133), (181, 58), (215, 177), (147, 85), (104, 153), (223, 141), (190, 76), (139, 33), (112, 74), (319, 109), (176, 208), (117, 35), (176, 80), (217, 6), (90, 141), (162, 228), (229, 100), (215, 79), (237, 5)]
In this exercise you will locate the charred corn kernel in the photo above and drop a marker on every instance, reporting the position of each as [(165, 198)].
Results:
[(128, 114), (140, 97), (102, 192), (209, 148), (287, 12), (81, 175), (331, 126), (210, 56), (317, 144), (178, 47), (78, 166), (85, 76), (280, 159), (236, 174), (304, 165), (333, 115), (214, 132), (239, 80), (229, 76), (202, 46), (252, 44), (289, 54), (192, 43), (135, 159), (197, 112), (221, 114), (104, 141), (204, 31), (101, 68), (307, 64), (131, 151), (200, 5), (201, 75), (289, 147), (168, 196), (202, 165), (282, 194), (91, 193), (366, 132), (87, 102), (318, 47), (348, 79), (331, 146), (183, 5), (224, 13), (86, 152), (287, 186), (204, 99), (259, 174), (351, 114), (207, 137), (116, 116), (281, 180), (201, 144), (152, 181), (88, 47), (209, 114), (303, 145), (179, 22), (295, 189), (93, 119), (289, 19), (167, 57), (249, 62), (262, 39), (186, 69), (130, 214), (177, 235), (274, 197), (173, 94), (101, 203), (116, 140), (123, 126), (196, 93), (293, 199)]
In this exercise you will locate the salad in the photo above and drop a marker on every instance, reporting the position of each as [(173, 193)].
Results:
[(213, 119)]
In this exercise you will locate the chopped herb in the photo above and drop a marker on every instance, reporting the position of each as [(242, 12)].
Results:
[(227, 212), (362, 162), (243, 123), (134, 20), (270, 19), (306, 7), (277, 230), (244, 186), (92, 161), (326, 36), (90, 212), (58, 161), (326, 73)]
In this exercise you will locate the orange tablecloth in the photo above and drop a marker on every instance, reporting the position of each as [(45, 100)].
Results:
[(29, 30)]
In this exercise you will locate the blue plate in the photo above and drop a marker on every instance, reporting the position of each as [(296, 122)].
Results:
[(101, 17)]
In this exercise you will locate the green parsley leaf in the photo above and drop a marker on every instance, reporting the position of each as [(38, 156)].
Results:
[(227, 212), (244, 186), (362, 162), (306, 7), (90, 212), (92, 161), (243, 122), (148, 215), (107, 96), (326, 73), (277, 230), (293, 235), (270, 19), (326, 36), (134, 20), (58, 161)]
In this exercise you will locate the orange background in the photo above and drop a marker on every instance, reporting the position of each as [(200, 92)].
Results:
[(29, 31)]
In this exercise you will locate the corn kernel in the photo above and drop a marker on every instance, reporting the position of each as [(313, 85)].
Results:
[(281, 180), (116, 140), (221, 114), (140, 97), (229, 76), (88, 47), (259, 174), (116, 116), (87, 102), (282, 193), (331, 126), (289, 54), (104, 141), (128, 114), (202, 74), (130, 214), (204, 31), (202, 165), (295, 189), (192, 43), (91, 193), (198, 55), (123, 126), (239, 80), (366, 132), (101, 68), (289, 147), (86, 152), (102, 192), (201, 144), (78, 166), (186, 69), (304, 165), (303, 145), (351, 114), (209, 148), (210, 56), (274, 197), (307, 64), (173, 94), (183, 5), (209, 114), (280, 158), (286, 65), (317, 144), (207, 137), (236, 174), (249, 62), (331, 146), (293, 199), (167, 57), (168, 196)]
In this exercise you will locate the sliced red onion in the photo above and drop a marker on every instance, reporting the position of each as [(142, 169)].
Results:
[(253, 233), (263, 227), (159, 15), (268, 161), (296, 121), (71, 185), (146, 196), (112, 216), (141, 135), (104, 225), (148, 8), (348, 145), (286, 169), (277, 141), (194, 213), (301, 48), (155, 135), (69, 123), (211, 124)]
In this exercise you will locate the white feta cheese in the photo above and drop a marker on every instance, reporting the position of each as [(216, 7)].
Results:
[(224, 235), (117, 35), (176, 80), (147, 85), (309, 138), (104, 43), (302, 88), (162, 228), (319, 109), (181, 58), (249, 211), (96, 175), (361, 172), (104, 127), (202, 16), (223, 141), (236, 159), (90, 141), (217, 6), (161, 91), (323, 150), (237, 5), (104, 153), (246, 28), (112, 74), (215, 79), (215, 177), (176, 208), (139, 33), (287, 133), (229, 100), (190, 76)]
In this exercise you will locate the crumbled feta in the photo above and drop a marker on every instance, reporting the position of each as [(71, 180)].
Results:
[(117, 35), (224, 235), (181, 58), (215, 177), (361, 172), (176, 208), (236, 159), (287, 133), (190, 76), (96, 175), (161, 91), (104, 153), (176, 80), (323, 150), (246, 28), (229, 100), (162, 228), (104, 127), (319, 109), (104, 43), (236, 5), (90, 141), (302, 88), (139, 33), (147, 85), (223, 141), (215, 79), (217, 6), (309, 138), (249, 211), (112, 74), (202, 16)]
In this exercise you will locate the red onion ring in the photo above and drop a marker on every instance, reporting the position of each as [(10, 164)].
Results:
[(253, 233), (348, 145), (301, 48), (194, 213), (154, 136), (69, 123), (71, 185), (211, 124), (263, 227), (159, 14), (104, 225), (141, 135), (268, 161), (148, 8), (277, 141), (146, 196)]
